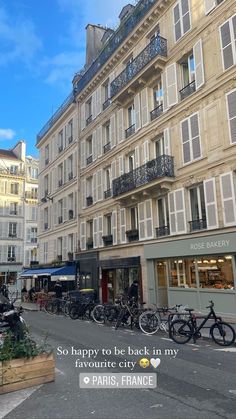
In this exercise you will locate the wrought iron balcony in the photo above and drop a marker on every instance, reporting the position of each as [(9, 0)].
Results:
[(130, 131), (89, 201), (132, 235), (155, 113), (89, 120), (89, 243), (89, 160), (107, 240), (106, 104), (163, 231), (158, 46), (154, 169), (187, 90), (196, 225), (106, 147), (60, 148), (107, 193)]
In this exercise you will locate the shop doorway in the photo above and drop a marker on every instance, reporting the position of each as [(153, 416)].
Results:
[(161, 275)]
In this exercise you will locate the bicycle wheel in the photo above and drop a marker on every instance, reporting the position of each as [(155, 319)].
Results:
[(180, 331), (66, 308), (120, 318), (98, 314), (222, 333), (149, 322), (74, 312), (49, 307)]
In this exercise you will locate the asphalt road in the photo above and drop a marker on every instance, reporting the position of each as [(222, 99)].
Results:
[(193, 381)]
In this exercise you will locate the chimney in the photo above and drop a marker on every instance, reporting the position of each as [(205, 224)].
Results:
[(125, 12), (94, 35)]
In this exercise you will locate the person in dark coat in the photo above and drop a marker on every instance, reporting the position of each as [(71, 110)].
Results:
[(133, 290), (58, 289)]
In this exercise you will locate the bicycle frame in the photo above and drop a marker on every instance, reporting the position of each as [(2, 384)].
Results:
[(193, 322)]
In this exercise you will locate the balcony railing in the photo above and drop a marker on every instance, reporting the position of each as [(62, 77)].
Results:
[(107, 240), (89, 243), (89, 201), (158, 46), (155, 113), (160, 167), (89, 160), (196, 225), (163, 231), (130, 131), (106, 147), (132, 235), (107, 193), (187, 90), (106, 104), (70, 214), (89, 120)]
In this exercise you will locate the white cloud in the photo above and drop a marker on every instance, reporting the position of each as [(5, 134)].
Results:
[(7, 134), (62, 67)]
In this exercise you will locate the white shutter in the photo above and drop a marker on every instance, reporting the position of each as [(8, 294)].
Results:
[(99, 141), (171, 85), (186, 141), (177, 212), (113, 170), (137, 112), (95, 233), (120, 125), (64, 248), (83, 192), (231, 107), (199, 67), (94, 145), (99, 99), (99, 185), (83, 235), (177, 22), (121, 165), (94, 187), (100, 231), (137, 156), (195, 136), (122, 225), (228, 198), (83, 155), (19, 230), (209, 5), (141, 220), (149, 219), (75, 164), (113, 130), (144, 107), (145, 152), (65, 171), (114, 227), (82, 116), (211, 203), (94, 105), (65, 212), (167, 147), (226, 45)]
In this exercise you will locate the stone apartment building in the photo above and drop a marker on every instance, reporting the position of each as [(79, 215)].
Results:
[(18, 212), (157, 135)]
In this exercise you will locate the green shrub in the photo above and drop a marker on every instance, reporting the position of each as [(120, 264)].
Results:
[(24, 348)]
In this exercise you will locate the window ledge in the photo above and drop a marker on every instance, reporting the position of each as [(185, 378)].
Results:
[(192, 162)]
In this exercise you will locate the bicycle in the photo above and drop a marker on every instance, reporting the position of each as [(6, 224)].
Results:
[(222, 333), (159, 319), (129, 313), (103, 313)]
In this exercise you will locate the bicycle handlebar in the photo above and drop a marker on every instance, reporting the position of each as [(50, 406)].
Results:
[(211, 304)]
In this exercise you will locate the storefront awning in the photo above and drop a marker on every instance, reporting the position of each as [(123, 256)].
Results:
[(64, 273)]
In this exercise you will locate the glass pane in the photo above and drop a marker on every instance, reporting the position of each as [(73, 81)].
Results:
[(216, 272), (194, 204)]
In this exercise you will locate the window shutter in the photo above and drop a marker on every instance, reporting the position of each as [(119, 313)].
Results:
[(177, 23), (164, 88), (122, 225), (94, 187), (141, 220), (114, 226), (209, 5), (121, 165), (167, 146), (120, 125), (226, 45), (185, 15), (75, 164), (83, 191), (99, 141), (195, 136), (144, 107), (149, 219), (211, 203), (137, 112), (28, 234), (231, 106), (185, 141), (137, 156), (82, 116), (145, 152), (64, 248), (95, 233), (19, 230), (113, 130), (83, 235), (99, 99), (94, 145), (94, 105), (100, 231), (83, 155), (199, 67), (177, 212), (65, 174), (99, 185), (171, 85), (65, 208), (228, 198)]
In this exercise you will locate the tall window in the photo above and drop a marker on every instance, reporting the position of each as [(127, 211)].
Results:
[(60, 141), (231, 105), (15, 188), (13, 208), (158, 94), (134, 218), (70, 131), (46, 219), (89, 150), (131, 116), (60, 211), (159, 146), (70, 167), (45, 251), (59, 248), (188, 70), (12, 230), (108, 224), (191, 139), (163, 213), (11, 253), (181, 18), (228, 42), (60, 175), (131, 162), (198, 208), (70, 243), (47, 154)]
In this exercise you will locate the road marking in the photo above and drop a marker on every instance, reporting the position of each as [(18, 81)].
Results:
[(167, 339), (193, 344), (232, 391), (11, 400), (226, 349), (59, 371)]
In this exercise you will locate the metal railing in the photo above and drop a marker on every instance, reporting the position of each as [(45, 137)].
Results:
[(70, 214), (106, 147), (155, 113), (89, 200), (132, 235), (106, 104), (163, 231), (158, 46), (107, 193), (196, 225), (89, 160), (107, 240), (160, 167), (89, 120), (187, 90), (130, 131)]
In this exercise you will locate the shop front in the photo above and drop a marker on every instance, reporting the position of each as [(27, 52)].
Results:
[(88, 270), (116, 277), (193, 271)]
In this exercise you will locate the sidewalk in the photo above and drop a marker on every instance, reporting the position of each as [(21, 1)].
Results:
[(27, 306)]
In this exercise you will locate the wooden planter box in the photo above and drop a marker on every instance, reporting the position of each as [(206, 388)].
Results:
[(26, 372)]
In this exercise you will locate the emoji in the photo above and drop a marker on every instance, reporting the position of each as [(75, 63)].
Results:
[(155, 362), (144, 363)]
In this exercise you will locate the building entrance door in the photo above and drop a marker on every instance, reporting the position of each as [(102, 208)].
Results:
[(161, 275)]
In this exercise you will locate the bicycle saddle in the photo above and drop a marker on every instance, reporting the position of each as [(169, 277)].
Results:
[(189, 309)]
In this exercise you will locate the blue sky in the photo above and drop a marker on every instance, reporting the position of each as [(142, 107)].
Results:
[(42, 46)]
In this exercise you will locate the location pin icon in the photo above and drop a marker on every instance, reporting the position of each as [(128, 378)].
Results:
[(86, 380)]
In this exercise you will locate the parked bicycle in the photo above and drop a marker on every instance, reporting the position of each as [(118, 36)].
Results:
[(106, 313), (129, 313), (222, 333), (159, 319), (58, 306)]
